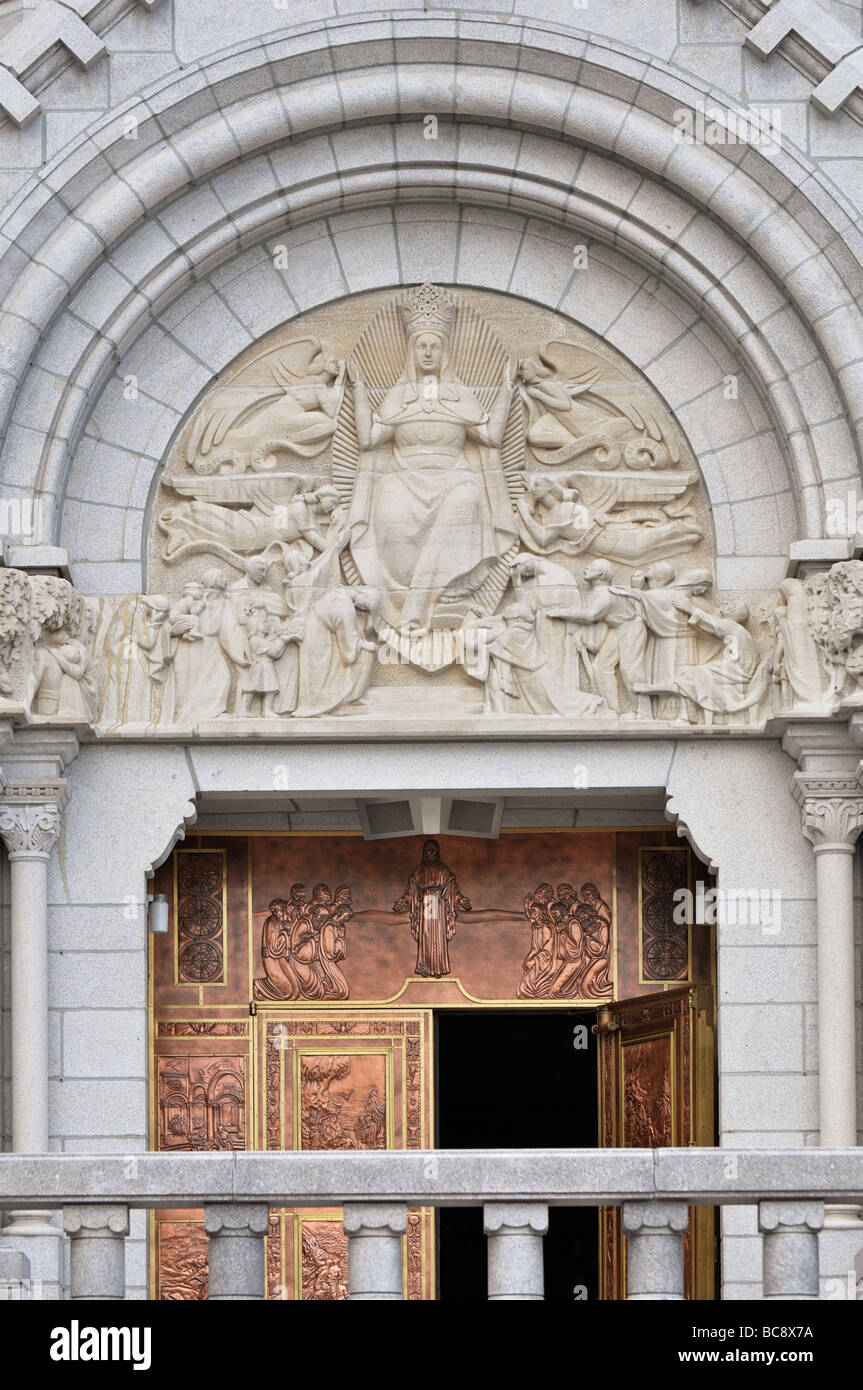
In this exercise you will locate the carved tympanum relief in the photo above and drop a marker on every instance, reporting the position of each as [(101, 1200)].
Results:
[(403, 491), (428, 506)]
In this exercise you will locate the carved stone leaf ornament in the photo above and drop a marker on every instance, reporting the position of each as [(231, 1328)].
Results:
[(832, 809), (29, 830)]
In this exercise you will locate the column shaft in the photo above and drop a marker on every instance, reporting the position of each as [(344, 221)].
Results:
[(654, 1250), (29, 918), (29, 824), (834, 878)]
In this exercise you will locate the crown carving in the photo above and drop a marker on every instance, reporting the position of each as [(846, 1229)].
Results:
[(428, 309)]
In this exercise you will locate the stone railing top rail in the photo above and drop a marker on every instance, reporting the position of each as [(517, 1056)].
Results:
[(455, 1177)]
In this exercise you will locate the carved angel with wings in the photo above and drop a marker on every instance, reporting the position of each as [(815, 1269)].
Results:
[(621, 516), (262, 427), (288, 528), (576, 412)]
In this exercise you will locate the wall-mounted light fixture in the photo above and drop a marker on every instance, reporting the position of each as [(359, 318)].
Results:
[(158, 912)]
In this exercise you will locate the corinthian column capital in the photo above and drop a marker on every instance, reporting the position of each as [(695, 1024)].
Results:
[(831, 809), (30, 814)]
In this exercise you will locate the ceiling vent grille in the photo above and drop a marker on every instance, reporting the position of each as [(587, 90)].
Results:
[(431, 815)]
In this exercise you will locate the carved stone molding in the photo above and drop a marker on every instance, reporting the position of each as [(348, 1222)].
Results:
[(91, 1221), (644, 1217), (677, 816), (790, 1216), (236, 1219), (52, 790)]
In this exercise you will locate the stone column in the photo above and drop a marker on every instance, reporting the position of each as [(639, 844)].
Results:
[(832, 813), (237, 1255), (515, 1231), (29, 825), (790, 1231), (374, 1231), (97, 1253), (654, 1250)]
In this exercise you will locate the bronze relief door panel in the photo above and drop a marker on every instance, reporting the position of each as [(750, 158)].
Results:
[(351, 1080), (202, 1100), (656, 1063)]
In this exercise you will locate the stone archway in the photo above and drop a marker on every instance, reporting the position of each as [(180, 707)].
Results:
[(716, 229)]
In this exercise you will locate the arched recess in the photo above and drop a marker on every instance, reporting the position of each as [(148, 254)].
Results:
[(181, 193)]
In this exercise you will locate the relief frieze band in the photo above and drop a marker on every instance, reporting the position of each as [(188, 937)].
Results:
[(331, 946)]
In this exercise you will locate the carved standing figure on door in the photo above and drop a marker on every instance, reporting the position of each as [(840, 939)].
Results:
[(433, 898)]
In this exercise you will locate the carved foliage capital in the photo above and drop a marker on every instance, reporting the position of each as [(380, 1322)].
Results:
[(831, 809), (29, 829)]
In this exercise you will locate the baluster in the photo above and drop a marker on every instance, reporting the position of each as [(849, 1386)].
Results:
[(374, 1231), (236, 1255), (654, 1249), (790, 1248), (515, 1231), (97, 1252)]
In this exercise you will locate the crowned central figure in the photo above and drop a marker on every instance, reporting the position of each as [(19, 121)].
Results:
[(430, 511)]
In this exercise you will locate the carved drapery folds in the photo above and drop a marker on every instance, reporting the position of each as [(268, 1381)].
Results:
[(429, 505), (304, 944), (570, 944)]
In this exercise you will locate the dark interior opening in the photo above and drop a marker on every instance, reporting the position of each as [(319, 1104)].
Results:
[(517, 1081)]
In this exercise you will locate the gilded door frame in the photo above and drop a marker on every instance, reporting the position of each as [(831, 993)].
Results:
[(703, 1072)]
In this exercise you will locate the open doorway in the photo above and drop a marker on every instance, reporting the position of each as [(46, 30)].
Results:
[(517, 1081)]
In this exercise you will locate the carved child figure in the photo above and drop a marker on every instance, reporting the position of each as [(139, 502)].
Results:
[(259, 678)]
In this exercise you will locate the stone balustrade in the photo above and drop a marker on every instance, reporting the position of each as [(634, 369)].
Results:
[(654, 1187)]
